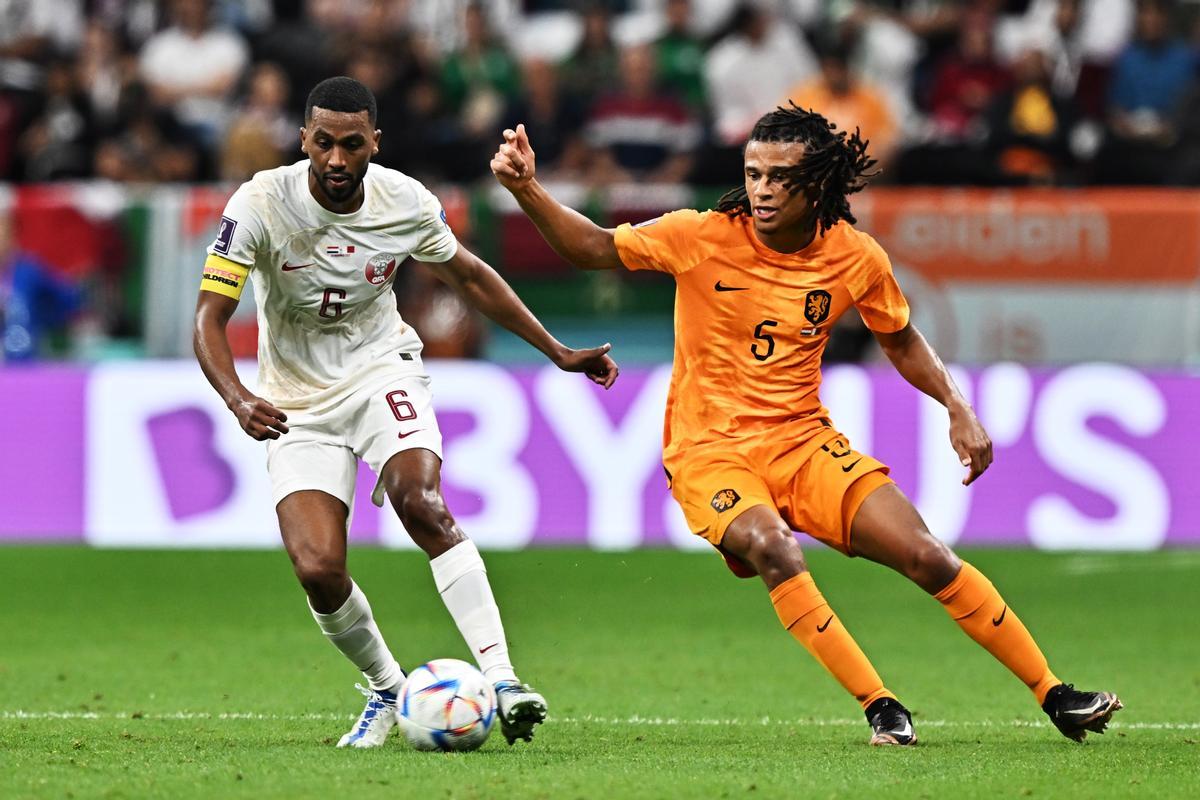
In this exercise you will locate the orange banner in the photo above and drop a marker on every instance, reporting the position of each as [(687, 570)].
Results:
[(1038, 236)]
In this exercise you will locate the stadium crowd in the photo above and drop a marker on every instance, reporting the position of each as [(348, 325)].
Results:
[(993, 92)]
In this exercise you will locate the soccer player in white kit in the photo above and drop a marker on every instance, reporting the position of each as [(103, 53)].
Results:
[(340, 378)]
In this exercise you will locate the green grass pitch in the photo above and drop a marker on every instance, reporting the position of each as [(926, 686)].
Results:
[(201, 674)]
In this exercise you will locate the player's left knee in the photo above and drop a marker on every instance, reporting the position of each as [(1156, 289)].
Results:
[(424, 515)]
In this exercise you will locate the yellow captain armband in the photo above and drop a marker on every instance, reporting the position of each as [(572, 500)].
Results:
[(223, 277)]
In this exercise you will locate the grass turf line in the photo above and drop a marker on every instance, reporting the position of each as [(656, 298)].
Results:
[(615, 641)]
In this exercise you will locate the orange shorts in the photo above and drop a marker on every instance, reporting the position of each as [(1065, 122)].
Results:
[(815, 486)]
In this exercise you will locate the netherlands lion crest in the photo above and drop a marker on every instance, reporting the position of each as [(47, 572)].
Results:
[(816, 306), (725, 500), (379, 268)]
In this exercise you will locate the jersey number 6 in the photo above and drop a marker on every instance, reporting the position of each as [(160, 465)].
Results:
[(402, 410), (763, 354), (330, 308)]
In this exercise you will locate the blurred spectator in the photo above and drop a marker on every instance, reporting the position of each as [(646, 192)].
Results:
[(1105, 28), (1082, 38), (899, 42), (750, 69), (592, 70), (1152, 76), (34, 302), (264, 134), (966, 83), (1029, 126), (32, 31), (552, 118), (680, 55), (381, 24), (1064, 49), (102, 71), (151, 145), (848, 102), (193, 67), (309, 48), (58, 143), (1150, 83), (439, 25), (637, 132), (481, 78)]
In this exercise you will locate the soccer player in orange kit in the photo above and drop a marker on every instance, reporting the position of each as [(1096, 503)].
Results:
[(750, 453)]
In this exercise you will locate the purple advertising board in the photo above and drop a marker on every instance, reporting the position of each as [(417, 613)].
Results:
[(1093, 456)]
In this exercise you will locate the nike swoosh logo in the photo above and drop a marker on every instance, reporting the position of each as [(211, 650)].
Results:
[(996, 622), (849, 467), (906, 730), (410, 433), (1092, 709), (821, 628), (720, 287), (483, 650), (289, 267)]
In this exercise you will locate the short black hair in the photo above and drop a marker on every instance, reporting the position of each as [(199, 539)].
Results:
[(835, 163), (341, 94)]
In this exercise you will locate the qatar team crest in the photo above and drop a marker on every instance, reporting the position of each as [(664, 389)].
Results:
[(816, 306), (380, 267), (725, 500)]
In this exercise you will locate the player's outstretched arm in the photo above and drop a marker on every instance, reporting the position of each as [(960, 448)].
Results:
[(572, 235), (481, 286), (257, 417), (920, 365)]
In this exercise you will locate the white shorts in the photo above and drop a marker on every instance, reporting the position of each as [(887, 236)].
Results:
[(384, 416)]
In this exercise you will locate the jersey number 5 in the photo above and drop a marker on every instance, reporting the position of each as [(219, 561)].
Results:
[(759, 352)]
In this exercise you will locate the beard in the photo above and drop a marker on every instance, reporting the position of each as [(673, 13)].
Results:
[(338, 192)]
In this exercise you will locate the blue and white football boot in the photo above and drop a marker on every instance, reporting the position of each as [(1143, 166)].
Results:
[(520, 709), (375, 722)]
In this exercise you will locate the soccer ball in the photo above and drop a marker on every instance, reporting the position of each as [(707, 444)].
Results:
[(446, 704)]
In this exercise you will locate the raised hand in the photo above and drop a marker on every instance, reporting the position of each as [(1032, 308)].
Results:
[(514, 162)]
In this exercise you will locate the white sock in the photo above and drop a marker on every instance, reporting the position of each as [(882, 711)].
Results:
[(352, 630), (462, 582)]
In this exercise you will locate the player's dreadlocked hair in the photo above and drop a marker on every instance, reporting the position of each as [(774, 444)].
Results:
[(341, 94), (835, 163)]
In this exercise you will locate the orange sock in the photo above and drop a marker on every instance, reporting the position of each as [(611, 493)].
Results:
[(806, 615), (980, 611)]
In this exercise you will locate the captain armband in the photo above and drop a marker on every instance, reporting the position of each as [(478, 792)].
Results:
[(223, 277)]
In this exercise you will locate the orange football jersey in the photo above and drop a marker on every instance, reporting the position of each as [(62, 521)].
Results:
[(751, 323)]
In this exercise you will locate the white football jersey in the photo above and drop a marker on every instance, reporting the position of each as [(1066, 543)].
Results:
[(323, 281)]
